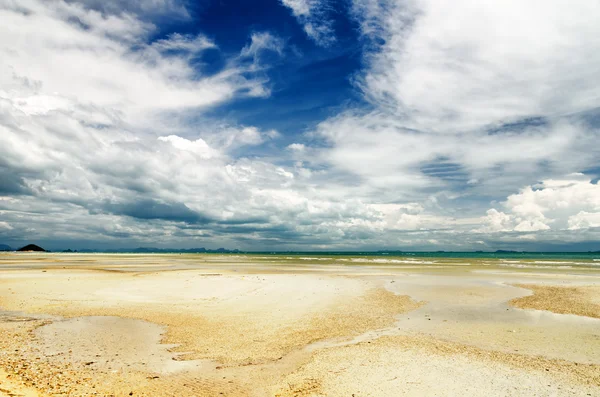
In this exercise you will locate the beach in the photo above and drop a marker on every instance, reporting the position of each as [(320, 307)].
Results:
[(297, 325)]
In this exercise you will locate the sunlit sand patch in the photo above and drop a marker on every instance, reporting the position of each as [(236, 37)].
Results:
[(232, 319), (112, 343), (10, 387), (419, 366), (579, 300), (32, 367), (248, 327), (475, 312)]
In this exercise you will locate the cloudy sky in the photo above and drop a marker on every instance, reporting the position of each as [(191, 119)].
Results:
[(300, 124)]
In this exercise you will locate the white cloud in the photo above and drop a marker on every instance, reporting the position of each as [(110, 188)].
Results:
[(147, 8), (244, 136), (199, 146), (222, 140), (108, 63), (411, 216), (259, 51), (92, 118), (496, 221), (263, 41), (488, 101), (312, 14), (297, 147), (473, 86), (463, 65), (531, 226), (300, 8), (571, 203), (584, 220), (179, 42)]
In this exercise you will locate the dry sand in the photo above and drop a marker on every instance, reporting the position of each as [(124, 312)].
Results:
[(11, 387), (581, 300), (398, 366), (206, 325)]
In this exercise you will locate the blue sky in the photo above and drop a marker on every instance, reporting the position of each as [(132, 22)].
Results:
[(300, 124), (319, 74)]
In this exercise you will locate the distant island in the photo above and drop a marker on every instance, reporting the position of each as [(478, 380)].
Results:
[(153, 250), (4, 247), (31, 248), (202, 250)]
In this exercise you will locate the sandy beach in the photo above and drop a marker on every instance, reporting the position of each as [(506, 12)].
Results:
[(227, 325)]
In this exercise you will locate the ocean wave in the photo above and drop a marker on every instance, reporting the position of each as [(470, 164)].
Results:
[(381, 260), (564, 263), (259, 257), (314, 259), (525, 266)]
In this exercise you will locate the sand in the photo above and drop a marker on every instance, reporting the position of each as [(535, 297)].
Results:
[(9, 387), (581, 300), (393, 366), (208, 325)]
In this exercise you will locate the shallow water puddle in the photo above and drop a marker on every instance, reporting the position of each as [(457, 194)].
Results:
[(476, 312), (110, 343)]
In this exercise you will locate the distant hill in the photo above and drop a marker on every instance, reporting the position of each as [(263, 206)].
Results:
[(153, 250), (32, 247), (4, 247)]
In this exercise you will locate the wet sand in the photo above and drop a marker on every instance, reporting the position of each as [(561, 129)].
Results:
[(209, 325)]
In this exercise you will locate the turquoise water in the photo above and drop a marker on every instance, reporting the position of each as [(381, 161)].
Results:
[(442, 254)]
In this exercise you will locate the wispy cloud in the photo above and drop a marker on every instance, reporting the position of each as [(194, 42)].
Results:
[(263, 41), (188, 43), (313, 16), (141, 8)]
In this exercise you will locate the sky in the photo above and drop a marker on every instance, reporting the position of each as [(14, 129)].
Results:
[(300, 124)]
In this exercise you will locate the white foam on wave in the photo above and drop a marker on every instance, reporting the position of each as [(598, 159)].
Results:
[(565, 263), (382, 260), (314, 259), (525, 266)]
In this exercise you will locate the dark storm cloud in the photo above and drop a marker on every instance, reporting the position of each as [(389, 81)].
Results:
[(245, 221), (269, 230), (148, 209), (11, 183)]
